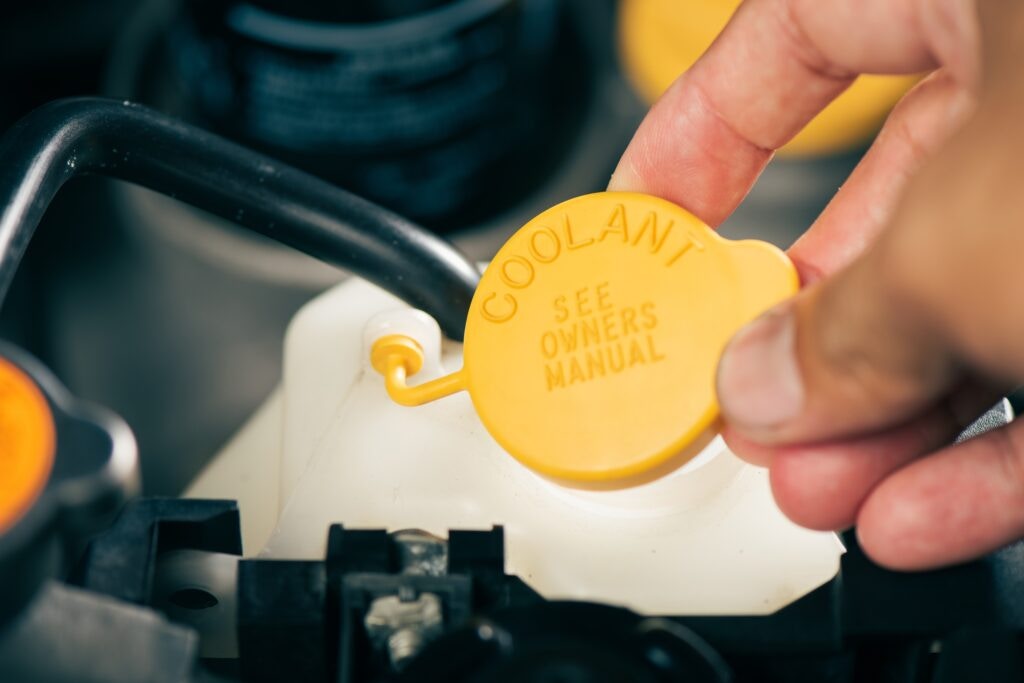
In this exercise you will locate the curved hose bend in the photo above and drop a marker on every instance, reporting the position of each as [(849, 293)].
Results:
[(123, 140)]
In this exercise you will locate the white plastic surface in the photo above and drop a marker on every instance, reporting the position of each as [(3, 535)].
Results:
[(707, 539)]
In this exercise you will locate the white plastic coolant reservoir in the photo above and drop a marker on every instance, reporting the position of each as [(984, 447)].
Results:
[(332, 447)]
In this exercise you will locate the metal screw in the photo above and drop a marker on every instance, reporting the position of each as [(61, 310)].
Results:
[(402, 624), (403, 645)]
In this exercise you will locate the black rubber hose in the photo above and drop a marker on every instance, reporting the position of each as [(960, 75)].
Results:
[(124, 140)]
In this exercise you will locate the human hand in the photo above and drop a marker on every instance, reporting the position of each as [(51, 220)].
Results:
[(852, 392)]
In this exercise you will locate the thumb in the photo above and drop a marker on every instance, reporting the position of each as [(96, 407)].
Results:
[(855, 353), (921, 310)]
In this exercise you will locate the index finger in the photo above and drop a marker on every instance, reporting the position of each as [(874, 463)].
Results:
[(776, 65)]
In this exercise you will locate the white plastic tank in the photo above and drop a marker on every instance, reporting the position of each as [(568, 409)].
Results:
[(331, 447)]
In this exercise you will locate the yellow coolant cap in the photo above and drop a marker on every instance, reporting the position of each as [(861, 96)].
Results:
[(660, 39), (593, 339)]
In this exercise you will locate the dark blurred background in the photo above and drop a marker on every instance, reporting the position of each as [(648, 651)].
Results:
[(469, 116)]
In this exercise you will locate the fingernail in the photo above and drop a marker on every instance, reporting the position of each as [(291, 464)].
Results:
[(759, 382), (624, 179)]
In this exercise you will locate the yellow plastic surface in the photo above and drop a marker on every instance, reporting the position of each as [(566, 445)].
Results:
[(593, 339), (397, 357), (660, 39), (27, 443)]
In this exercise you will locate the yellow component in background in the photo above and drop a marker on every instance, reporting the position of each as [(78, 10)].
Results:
[(593, 339), (27, 443), (660, 39)]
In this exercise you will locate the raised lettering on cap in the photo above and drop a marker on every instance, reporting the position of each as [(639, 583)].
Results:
[(593, 339)]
